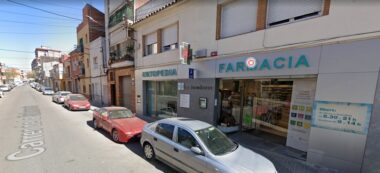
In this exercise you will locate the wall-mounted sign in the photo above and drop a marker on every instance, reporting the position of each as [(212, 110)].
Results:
[(342, 116), (203, 103), (157, 73), (185, 53), (181, 86), (250, 62), (300, 113), (290, 62), (184, 100)]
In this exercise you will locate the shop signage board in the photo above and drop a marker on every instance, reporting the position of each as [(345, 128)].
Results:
[(342, 116), (158, 73), (184, 100), (301, 113), (288, 62)]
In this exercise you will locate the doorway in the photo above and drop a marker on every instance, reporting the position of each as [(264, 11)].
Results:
[(113, 94)]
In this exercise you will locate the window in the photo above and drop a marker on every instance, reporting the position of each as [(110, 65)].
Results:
[(84, 88), (95, 62), (238, 17), (150, 44), (285, 11), (186, 139), (165, 130), (170, 38), (125, 12)]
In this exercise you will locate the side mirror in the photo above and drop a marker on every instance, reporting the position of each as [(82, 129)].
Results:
[(197, 150)]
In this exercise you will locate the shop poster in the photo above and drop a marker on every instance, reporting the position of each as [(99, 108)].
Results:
[(342, 116), (301, 111)]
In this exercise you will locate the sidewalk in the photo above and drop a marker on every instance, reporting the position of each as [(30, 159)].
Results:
[(286, 160)]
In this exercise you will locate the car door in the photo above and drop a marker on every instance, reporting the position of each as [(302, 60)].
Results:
[(164, 144), (190, 162), (105, 121)]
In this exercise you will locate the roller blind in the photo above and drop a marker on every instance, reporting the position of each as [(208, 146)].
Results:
[(169, 35), (151, 38), (238, 17), (279, 10)]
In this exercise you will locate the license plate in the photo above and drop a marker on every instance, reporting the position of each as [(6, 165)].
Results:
[(82, 107)]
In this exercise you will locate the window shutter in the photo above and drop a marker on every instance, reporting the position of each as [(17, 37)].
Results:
[(238, 17), (151, 38), (279, 10), (169, 35)]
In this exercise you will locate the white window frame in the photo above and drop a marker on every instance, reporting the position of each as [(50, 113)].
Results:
[(292, 19)]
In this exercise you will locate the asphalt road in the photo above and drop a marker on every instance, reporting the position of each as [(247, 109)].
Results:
[(39, 136)]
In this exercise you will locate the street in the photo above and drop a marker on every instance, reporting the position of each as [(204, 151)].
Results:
[(57, 140)]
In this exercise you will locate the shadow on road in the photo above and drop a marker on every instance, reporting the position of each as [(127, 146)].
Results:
[(134, 146)]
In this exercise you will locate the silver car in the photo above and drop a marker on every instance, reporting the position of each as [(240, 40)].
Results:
[(59, 97), (1, 93), (195, 146)]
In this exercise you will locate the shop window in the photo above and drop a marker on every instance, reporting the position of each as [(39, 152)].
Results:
[(161, 98), (237, 17), (165, 130), (287, 11), (150, 44), (170, 38)]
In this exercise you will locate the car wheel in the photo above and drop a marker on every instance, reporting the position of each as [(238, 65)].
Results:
[(115, 136), (149, 152), (71, 109), (95, 124)]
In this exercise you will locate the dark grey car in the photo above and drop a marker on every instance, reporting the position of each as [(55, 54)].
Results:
[(195, 146)]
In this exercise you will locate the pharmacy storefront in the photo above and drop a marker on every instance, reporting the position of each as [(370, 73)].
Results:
[(314, 99), (273, 98)]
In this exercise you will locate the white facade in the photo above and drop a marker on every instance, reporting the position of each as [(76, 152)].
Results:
[(47, 58), (99, 95), (343, 60)]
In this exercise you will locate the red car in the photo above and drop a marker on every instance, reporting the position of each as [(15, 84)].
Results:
[(76, 102), (120, 122)]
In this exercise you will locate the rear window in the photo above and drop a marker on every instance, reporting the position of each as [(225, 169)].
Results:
[(65, 94), (47, 88)]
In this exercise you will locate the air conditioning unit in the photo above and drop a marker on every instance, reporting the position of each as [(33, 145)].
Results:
[(201, 53)]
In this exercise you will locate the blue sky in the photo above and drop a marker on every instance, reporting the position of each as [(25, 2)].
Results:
[(24, 29)]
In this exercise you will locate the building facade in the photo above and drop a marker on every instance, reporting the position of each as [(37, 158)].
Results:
[(91, 28), (119, 14), (99, 85), (45, 59), (292, 74)]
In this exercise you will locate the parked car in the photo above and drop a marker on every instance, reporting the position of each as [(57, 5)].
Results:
[(5, 87), (195, 146), (77, 102), (47, 91), (1, 94), (120, 122), (59, 97)]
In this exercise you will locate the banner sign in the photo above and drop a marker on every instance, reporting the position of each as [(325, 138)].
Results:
[(342, 116)]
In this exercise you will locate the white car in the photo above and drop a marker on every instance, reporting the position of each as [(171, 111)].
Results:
[(1, 94), (47, 91), (5, 87), (59, 97)]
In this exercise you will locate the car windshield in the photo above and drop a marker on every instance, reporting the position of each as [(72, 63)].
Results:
[(48, 89), (77, 97), (116, 114), (216, 141)]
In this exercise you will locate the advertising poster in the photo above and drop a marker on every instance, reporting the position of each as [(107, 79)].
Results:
[(184, 100), (342, 116), (301, 111)]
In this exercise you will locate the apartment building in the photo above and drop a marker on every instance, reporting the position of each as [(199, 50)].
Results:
[(91, 27), (300, 73), (45, 59), (119, 14), (98, 64)]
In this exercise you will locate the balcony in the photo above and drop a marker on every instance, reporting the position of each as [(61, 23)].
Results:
[(122, 54)]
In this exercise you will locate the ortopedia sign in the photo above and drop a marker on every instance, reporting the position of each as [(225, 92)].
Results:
[(277, 63), (157, 73)]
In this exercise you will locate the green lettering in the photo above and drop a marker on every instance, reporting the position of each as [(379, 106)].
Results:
[(230, 68), (221, 68), (279, 66), (265, 64), (240, 66), (290, 62), (302, 60)]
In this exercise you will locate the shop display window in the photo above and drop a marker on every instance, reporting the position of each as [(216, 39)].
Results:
[(161, 98)]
